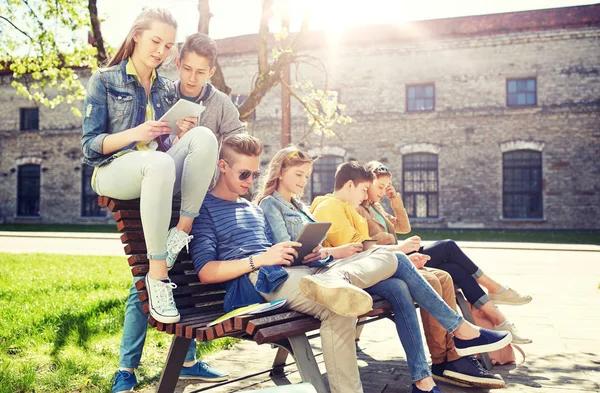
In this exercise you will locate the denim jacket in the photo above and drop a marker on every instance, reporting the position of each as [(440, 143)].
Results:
[(285, 222), (284, 217), (115, 102)]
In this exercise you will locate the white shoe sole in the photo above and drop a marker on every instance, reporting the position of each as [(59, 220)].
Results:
[(450, 381), (522, 340), (471, 381), (346, 300), (158, 317), (507, 303), (485, 348)]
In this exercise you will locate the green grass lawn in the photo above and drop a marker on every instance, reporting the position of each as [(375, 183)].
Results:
[(60, 330)]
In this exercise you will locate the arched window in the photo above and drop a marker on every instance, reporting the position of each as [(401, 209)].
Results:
[(89, 199), (522, 184), (323, 176), (420, 184), (28, 190)]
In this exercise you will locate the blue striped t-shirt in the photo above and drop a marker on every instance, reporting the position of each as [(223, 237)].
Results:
[(228, 230)]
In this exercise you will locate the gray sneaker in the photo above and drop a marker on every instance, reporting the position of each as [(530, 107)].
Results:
[(176, 240), (510, 297), (336, 294), (160, 299)]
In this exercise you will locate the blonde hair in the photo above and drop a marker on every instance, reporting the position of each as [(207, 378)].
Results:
[(142, 22), (285, 158), (244, 144)]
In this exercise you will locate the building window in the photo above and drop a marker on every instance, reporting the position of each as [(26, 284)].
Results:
[(28, 190), (238, 99), (521, 92), (30, 119), (420, 98), (89, 199), (323, 176), (420, 184), (522, 184)]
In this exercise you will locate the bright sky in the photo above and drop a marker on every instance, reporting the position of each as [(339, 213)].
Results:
[(239, 17)]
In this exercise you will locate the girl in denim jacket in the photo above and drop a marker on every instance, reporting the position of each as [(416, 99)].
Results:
[(133, 155), (279, 197)]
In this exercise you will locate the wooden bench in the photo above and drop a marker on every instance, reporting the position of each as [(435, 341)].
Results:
[(199, 304)]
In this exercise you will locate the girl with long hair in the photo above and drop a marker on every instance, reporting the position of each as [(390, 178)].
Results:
[(134, 157)]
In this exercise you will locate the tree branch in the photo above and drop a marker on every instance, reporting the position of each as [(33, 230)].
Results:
[(13, 25), (97, 33), (205, 15), (263, 36), (218, 79)]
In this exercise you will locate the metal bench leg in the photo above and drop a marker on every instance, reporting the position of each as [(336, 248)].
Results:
[(466, 312), (359, 329), (306, 362), (170, 374), (279, 362)]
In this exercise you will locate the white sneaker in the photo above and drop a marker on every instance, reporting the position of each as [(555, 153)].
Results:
[(176, 240), (160, 299), (510, 297), (336, 294), (517, 337)]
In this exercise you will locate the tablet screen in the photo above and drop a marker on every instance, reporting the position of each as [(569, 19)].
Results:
[(310, 237)]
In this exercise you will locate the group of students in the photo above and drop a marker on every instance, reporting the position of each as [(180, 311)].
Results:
[(249, 246)]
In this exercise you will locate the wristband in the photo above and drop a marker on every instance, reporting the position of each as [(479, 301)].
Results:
[(251, 263)]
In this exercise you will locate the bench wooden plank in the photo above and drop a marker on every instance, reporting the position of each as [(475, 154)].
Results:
[(287, 329), (266, 321)]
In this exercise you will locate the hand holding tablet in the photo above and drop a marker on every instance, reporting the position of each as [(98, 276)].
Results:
[(179, 111), (310, 237)]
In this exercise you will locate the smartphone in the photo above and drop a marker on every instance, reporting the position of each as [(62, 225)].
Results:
[(368, 243)]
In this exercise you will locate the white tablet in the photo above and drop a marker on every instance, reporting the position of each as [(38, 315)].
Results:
[(181, 110)]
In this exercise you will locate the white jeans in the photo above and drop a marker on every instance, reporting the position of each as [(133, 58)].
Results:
[(337, 332), (155, 176)]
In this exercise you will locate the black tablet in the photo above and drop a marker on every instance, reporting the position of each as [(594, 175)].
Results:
[(310, 237)]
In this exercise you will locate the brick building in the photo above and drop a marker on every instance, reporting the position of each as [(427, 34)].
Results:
[(488, 121)]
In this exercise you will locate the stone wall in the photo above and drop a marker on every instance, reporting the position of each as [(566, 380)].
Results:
[(469, 129)]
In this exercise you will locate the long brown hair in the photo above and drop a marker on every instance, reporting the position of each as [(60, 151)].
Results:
[(285, 158), (142, 22)]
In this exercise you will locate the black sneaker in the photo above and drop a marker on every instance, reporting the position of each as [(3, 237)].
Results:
[(437, 372), (468, 370), (488, 340)]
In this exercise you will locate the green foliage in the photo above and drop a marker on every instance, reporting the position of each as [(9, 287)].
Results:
[(61, 319), (40, 42), (322, 108)]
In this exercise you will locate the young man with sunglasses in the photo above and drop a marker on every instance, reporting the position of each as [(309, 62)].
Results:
[(232, 245)]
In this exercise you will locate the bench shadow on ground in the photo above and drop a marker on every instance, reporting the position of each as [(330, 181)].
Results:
[(77, 324)]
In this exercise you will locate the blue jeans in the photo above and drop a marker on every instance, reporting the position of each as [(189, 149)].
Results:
[(447, 255), (135, 327), (405, 285)]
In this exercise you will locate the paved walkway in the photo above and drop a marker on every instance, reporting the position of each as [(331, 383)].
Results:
[(563, 319)]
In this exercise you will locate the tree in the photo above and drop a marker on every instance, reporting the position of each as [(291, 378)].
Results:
[(40, 43), (320, 105)]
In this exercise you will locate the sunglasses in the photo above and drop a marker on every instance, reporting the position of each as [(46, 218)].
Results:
[(244, 175), (298, 154), (382, 169)]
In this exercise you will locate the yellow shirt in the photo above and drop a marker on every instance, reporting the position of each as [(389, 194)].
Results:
[(347, 226), (130, 70)]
